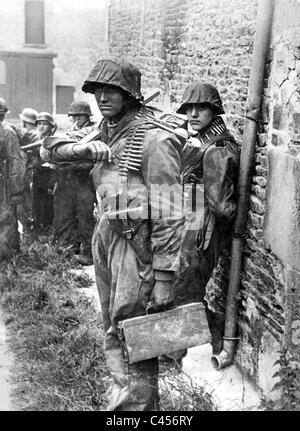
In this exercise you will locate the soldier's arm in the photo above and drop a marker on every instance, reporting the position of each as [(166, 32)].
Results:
[(63, 149), (161, 171), (60, 148), (25, 137), (220, 175)]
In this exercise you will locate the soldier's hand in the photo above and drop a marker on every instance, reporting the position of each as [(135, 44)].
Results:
[(95, 150), (163, 295)]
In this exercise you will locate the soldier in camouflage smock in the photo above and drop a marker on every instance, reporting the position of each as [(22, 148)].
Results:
[(135, 256), (210, 174), (12, 173)]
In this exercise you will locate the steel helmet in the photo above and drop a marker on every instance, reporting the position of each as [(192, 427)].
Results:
[(200, 92), (3, 106), (29, 115), (79, 107), (114, 71), (45, 116)]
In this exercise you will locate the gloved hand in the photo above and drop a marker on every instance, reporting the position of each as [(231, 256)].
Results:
[(163, 295), (95, 150)]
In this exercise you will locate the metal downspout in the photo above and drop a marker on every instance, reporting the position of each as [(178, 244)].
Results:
[(260, 51)]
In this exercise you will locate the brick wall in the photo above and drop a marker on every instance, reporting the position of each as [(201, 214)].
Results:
[(269, 315), (177, 41)]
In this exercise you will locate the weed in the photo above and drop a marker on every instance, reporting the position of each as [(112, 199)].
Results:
[(288, 384), (178, 392), (54, 333)]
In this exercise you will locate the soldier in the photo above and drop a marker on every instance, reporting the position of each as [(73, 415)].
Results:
[(136, 256), (28, 117), (210, 172), (12, 172), (80, 112), (28, 134), (74, 198), (42, 204)]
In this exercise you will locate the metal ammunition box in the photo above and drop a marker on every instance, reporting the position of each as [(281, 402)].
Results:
[(157, 334)]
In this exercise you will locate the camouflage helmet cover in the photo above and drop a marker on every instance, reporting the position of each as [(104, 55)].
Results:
[(45, 116), (29, 115), (3, 106), (114, 71), (79, 107), (199, 92)]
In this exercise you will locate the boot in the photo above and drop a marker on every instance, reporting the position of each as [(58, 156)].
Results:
[(84, 259), (216, 324), (76, 247)]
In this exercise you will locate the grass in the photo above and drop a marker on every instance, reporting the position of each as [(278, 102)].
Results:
[(178, 392), (57, 339), (54, 333)]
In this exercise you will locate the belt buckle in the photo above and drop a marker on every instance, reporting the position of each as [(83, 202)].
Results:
[(128, 233)]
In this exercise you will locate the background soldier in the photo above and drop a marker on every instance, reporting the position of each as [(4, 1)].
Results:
[(80, 112), (74, 198), (42, 204), (210, 164), (27, 134), (137, 257), (12, 172), (28, 117)]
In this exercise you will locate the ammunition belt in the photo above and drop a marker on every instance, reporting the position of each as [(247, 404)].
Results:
[(218, 127), (132, 156)]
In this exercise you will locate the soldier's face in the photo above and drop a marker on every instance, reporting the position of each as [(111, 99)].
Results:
[(199, 116), (43, 127), (110, 100), (80, 119)]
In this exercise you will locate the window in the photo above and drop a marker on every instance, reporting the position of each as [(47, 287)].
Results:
[(34, 23)]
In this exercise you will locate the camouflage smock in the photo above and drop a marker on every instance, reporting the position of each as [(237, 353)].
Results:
[(12, 172)]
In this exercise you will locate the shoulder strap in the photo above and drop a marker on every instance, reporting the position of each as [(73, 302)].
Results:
[(213, 140), (222, 137)]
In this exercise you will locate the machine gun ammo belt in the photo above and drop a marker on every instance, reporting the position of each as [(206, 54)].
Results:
[(132, 156)]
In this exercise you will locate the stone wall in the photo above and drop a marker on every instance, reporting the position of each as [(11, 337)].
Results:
[(175, 42)]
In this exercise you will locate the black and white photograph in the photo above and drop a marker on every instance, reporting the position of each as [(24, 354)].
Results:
[(149, 208)]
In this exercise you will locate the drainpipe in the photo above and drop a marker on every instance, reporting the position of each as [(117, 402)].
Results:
[(260, 52)]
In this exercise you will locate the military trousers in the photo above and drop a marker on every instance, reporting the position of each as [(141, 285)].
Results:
[(204, 278), (73, 211), (25, 207), (42, 201), (9, 235), (124, 286)]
